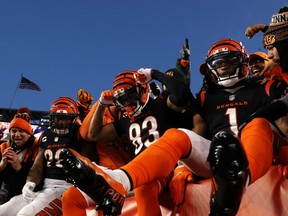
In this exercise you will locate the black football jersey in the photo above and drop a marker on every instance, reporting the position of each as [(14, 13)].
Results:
[(52, 145), (225, 110), (151, 124)]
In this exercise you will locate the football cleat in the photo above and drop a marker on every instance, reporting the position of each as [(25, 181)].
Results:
[(99, 186), (229, 166)]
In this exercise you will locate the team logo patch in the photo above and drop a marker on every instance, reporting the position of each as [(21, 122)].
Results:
[(170, 73), (231, 97), (44, 139), (269, 39)]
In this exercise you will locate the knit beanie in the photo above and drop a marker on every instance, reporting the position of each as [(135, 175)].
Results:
[(21, 120), (278, 28), (277, 35), (24, 113)]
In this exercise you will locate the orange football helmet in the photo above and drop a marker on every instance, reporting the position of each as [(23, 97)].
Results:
[(63, 113), (128, 95), (230, 52)]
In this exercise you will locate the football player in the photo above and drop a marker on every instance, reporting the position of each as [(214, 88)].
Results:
[(235, 159), (144, 119), (62, 133)]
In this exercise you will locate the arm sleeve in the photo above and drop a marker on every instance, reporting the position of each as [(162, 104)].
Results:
[(265, 28), (271, 112), (180, 91), (184, 66)]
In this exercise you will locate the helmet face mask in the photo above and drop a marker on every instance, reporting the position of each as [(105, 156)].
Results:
[(227, 62), (128, 95), (227, 59), (63, 114)]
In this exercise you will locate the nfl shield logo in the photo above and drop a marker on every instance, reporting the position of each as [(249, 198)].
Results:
[(232, 97)]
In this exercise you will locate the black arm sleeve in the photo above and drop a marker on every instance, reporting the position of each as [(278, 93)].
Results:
[(265, 28), (179, 90), (271, 112), (184, 69)]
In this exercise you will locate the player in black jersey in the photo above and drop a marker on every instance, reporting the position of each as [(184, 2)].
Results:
[(234, 159), (62, 133), (143, 118), (236, 98)]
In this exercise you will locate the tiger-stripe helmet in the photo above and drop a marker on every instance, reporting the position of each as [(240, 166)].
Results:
[(229, 51), (128, 95), (63, 114)]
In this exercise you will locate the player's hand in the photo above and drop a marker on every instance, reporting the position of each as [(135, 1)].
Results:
[(27, 191), (144, 75), (106, 98), (13, 159), (254, 29), (4, 160), (182, 176), (185, 51)]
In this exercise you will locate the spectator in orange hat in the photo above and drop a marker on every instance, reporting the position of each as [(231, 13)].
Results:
[(17, 155), (257, 62)]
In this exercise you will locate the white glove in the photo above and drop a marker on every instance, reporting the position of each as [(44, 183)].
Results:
[(27, 191), (144, 75), (185, 51), (106, 98)]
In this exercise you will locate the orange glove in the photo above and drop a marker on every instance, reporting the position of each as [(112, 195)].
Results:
[(182, 176), (106, 98)]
